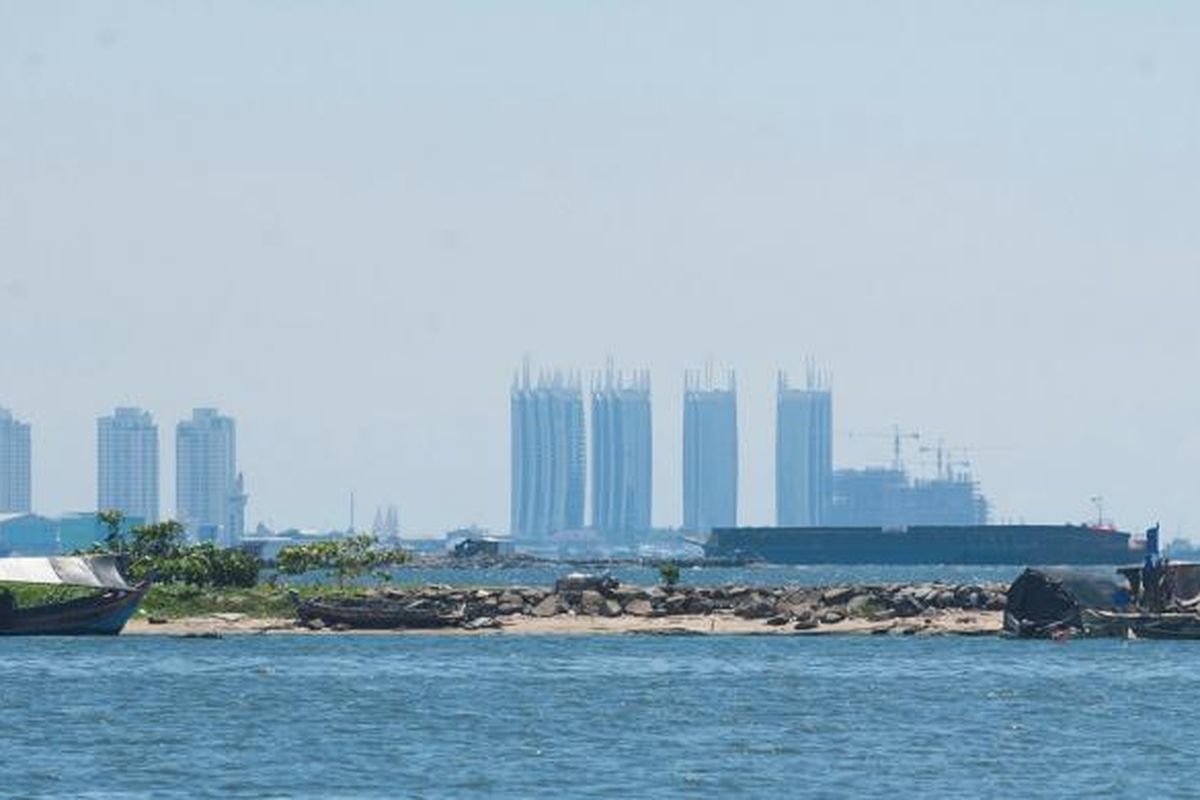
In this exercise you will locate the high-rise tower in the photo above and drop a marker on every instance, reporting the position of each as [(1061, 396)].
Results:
[(804, 452), (210, 497), (127, 468), (710, 453), (15, 480), (548, 455), (621, 452)]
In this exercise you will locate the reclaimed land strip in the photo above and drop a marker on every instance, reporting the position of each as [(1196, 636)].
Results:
[(899, 609)]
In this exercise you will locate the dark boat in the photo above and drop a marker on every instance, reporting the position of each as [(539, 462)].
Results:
[(1140, 625), (102, 613), (927, 544), (1045, 603), (377, 613)]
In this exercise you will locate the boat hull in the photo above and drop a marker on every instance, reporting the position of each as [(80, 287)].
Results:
[(930, 544), (1140, 625), (104, 615), (376, 613)]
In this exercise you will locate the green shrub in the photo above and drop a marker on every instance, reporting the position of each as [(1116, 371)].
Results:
[(347, 558), (161, 552)]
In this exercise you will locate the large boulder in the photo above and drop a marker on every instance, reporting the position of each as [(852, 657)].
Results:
[(676, 604), (591, 603), (838, 595), (756, 607), (906, 605), (796, 611), (926, 593), (551, 605), (800, 598), (964, 596), (623, 594), (509, 603), (639, 607), (510, 597), (698, 604)]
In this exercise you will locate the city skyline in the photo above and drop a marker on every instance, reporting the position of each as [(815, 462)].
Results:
[(806, 416), (266, 212)]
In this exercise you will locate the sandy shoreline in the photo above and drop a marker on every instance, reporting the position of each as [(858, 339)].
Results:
[(948, 622)]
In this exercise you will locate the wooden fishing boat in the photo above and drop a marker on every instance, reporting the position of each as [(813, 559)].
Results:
[(1137, 625), (104, 612), (377, 613)]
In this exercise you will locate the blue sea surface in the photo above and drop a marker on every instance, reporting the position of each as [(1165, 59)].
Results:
[(596, 716), (757, 575)]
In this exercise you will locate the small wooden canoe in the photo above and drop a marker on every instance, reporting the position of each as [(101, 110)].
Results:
[(377, 613)]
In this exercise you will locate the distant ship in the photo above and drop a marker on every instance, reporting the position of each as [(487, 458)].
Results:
[(928, 544)]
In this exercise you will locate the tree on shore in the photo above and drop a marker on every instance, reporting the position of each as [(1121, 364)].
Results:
[(161, 552), (348, 558), (111, 519)]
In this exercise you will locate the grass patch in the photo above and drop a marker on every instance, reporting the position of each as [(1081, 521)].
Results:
[(27, 595), (265, 601), (175, 600)]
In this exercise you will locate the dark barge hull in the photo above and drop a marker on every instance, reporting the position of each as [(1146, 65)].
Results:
[(968, 544), (103, 615)]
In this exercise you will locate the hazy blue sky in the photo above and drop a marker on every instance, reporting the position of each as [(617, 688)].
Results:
[(346, 223)]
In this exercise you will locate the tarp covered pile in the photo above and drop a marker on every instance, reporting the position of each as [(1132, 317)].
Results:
[(1043, 603), (99, 572)]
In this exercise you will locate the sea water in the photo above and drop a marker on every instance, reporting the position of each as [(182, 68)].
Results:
[(596, 716), (753, 575)]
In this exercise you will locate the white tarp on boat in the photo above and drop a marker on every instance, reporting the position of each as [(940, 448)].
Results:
[(99, 572)]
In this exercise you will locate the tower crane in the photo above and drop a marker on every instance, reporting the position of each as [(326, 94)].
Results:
[(897, 435)]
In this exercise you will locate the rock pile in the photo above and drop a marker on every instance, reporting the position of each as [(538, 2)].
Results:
[(801, 606)]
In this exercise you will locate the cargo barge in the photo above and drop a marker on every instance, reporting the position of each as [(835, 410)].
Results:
[(928, 544)]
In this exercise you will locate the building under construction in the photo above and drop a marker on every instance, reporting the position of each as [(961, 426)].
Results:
[(548, 452), (710, 451), (803, 451), (622, 452), (887, 497)]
